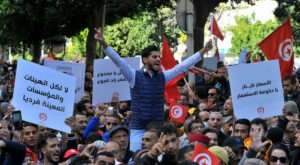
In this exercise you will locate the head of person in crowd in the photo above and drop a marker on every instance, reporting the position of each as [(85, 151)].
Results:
[(227, 125), (290, 108), (215, 121), (43, 130), (120, 135), (275, 135), (85, 107), (154, 125), (236, 144), (241, 128), (171, 144), (208, 78), (180, 85), (139, 154), (259, 123), (214, 94), (279, 155), (291, 125), (184, 99), (87, 96), (50, 147), (115, 149), (203, 107), (203, 116), (79, 124), (151, 59), (200, 94), (203, 140), (195, 127), (254, 161), (228, 108), (30, 136), (221, 153), (29, 159), (92, 137), (289, 85), (103, 115), (124, 106), (213, 136), (104, 157), (69, 154), (113, 120), (4, 132), (186, 153), (222, 71), (89, 75), (149, 139)]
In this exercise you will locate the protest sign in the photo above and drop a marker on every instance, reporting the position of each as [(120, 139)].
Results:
[(108, 80), (73, 69), (43, 95), (211, 63), (256, 90)]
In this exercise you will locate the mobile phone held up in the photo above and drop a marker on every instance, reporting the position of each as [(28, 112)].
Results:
[(17, 119)]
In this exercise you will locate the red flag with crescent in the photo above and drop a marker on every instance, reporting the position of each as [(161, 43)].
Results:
[(204, 157), (279, 45), (178, 112)]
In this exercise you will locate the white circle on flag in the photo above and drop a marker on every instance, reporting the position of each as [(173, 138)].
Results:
[(202, 158), (176, 111), (286, 49)]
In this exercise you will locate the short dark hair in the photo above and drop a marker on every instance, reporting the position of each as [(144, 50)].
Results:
[(115, 115), (243, 122), (184, 150), (209, 130), (43, 140), (26, 124), (217, 90), (155, 131), (168, 129), (80, 106), (189, 127), (92, 137), (201, 92), (260, 121), (291, 78), (154, 125), (103, 153), (146, 52)]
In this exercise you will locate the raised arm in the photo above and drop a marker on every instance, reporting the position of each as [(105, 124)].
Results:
[(186, 64), (126, 69)]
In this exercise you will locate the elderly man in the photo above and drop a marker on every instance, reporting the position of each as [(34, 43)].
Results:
[(147, 86)]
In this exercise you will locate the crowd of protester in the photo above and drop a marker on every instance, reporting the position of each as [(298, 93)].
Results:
[(101, 134)]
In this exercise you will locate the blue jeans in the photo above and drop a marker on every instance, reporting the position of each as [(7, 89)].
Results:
[(136, 136)]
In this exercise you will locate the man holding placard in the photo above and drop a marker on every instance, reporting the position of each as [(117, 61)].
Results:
[(147, 85)]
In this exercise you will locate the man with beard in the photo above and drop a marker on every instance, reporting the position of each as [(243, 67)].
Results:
[(290, 89), (120, 135), (51, 149), (150, 138), (168, 143), (147, 86)]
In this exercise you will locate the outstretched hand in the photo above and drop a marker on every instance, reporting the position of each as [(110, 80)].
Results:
[(208, 46), (256, 143), (99, 37)]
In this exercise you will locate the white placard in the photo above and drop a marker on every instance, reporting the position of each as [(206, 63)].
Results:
[(73, 69), (43, 95), (211, 63), (108, 79), (256, 89)]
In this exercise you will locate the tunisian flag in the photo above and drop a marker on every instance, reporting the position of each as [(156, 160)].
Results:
[(215, 28), (168, 62), (279, 45), (197, 70), (204, 157), (178, 112)]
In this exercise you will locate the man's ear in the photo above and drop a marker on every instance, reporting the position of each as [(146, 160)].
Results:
[(144, 60), (44, 150)]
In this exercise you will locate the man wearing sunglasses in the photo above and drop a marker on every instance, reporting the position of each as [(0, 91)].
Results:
[(147, 86)]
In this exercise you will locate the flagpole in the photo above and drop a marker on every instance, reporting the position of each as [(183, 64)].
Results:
[(186, 83)]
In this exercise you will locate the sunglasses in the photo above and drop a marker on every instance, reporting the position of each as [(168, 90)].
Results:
[(275, 159), (211, 94)]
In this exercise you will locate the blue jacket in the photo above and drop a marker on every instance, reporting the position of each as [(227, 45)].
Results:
[(16, 153), (91, 127), (147, 99)]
